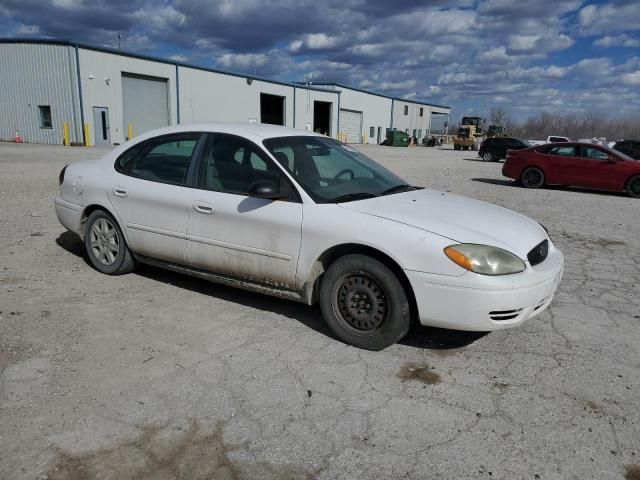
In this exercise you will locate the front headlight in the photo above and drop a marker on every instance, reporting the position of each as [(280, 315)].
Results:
[(484, 259)]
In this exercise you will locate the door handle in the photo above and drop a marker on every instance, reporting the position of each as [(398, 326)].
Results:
[(203, 208), (119, 192)]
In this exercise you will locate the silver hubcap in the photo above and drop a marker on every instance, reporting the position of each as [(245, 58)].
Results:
[(488, 157), (105, 243)]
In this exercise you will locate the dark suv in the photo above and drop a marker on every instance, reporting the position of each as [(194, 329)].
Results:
[(629, 147), (495, 148)]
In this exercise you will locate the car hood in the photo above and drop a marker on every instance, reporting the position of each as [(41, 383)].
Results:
[(462, 219)]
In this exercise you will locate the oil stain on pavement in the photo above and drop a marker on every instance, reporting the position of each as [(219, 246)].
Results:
[(194, 455), (419, 373)]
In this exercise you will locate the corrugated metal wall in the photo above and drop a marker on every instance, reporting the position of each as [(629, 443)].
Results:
[(32, 75)]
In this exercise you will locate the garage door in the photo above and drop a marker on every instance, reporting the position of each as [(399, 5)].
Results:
[(351, 125), (145, 103)]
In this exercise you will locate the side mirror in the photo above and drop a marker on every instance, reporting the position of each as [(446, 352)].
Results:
[(265, 189)]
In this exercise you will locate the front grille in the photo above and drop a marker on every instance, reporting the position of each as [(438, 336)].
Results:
[(538, 253), (504, 314)]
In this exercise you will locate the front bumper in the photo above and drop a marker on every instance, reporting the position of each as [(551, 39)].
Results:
[(483, 303)]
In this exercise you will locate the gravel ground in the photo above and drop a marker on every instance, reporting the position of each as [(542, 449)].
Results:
[(157, 375)]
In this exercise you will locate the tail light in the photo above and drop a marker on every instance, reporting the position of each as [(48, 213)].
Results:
[(61, 176)]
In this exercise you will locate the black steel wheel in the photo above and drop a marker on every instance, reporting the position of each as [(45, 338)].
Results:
[(364, 303), (360, 302), (633, 186), (532, 177)]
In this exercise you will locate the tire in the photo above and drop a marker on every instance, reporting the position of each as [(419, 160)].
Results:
[(456, 146), (632, 187), (364, 303), (532, 177), (488, 156), (105, 245)]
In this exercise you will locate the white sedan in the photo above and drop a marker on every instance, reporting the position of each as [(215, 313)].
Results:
[(301, 216)]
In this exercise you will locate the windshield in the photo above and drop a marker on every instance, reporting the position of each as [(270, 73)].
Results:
[(330, 171)]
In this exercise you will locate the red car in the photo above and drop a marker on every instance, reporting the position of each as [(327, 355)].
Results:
[(574, 164)]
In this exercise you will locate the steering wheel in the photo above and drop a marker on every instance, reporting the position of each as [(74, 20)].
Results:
[(341, 173)]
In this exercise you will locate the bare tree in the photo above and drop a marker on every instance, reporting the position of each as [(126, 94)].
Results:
[(588, 125), (499, 116), (594, 122)]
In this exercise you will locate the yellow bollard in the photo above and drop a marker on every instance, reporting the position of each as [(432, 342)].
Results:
[(85, 129), (65, 134), (130, 131)]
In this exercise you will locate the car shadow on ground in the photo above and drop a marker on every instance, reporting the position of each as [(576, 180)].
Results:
[(495, 181), (479, 159), (419, 336), (558, 188)]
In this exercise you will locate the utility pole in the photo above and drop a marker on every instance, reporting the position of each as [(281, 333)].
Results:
[(119, 38)]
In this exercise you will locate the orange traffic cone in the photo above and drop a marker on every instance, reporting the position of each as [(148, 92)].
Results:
[(17, 137)]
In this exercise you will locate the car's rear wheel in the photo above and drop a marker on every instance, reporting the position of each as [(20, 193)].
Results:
[(105, 245), (633, 186), (364, 303), (532, 177), (488, 156)]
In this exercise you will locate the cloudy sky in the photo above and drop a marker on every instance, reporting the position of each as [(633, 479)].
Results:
[(526, 56)]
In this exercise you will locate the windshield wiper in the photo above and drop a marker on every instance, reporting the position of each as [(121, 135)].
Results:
[(398, 188), (353, 196)]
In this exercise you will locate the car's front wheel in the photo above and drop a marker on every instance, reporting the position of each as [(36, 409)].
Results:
[(105, 245), (633, 186), (488, 156), (532, 177), (364, 303)]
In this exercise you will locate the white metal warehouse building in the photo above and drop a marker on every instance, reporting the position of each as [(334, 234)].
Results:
[(53, 91)]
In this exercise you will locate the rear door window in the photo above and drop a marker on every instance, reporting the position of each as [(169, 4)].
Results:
[(564, 151), (165, 159), (593, 153)]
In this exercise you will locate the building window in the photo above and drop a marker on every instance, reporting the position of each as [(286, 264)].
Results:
[(406, 130), (45, 116), (406, 109), (421, 111), (372, 132), (420, 133)]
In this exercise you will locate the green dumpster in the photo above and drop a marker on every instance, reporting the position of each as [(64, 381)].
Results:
[(397, 138)]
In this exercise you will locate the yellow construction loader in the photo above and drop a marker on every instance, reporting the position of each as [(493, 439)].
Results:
[(470, 134)]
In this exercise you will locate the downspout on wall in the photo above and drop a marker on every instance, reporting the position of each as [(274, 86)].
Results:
[(392, 104), (85, 140), (177, 95)]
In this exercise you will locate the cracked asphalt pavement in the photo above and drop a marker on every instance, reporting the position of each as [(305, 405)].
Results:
[(157, 375)]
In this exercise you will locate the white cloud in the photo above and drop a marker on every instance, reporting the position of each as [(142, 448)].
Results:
[(27, 30), (622, 40), (523, 42), (178, 57), (498, 54), (608, 18), (554, 71), (632, 79), (67, 3)]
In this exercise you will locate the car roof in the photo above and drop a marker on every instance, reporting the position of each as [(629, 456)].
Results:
[(255, 131)]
